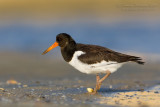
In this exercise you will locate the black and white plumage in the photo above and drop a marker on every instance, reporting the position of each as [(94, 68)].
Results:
[(91, 59)]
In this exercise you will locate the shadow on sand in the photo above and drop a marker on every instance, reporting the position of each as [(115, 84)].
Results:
[(102, 91)]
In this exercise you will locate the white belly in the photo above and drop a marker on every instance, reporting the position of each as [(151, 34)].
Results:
[(100, 67)]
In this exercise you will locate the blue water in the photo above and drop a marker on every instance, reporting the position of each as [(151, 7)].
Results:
[(137, 37)]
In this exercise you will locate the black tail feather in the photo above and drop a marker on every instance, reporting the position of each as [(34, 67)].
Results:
[(137, 60), (140, 62)]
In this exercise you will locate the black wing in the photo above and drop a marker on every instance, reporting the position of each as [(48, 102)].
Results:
[(96, 54)]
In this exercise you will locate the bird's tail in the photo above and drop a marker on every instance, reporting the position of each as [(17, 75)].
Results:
[(136, 59)]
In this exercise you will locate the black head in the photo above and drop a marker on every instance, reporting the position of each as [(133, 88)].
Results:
[(67, 44), (64, 39)]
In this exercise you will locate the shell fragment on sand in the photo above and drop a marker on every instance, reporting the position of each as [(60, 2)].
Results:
[(2, 89), (90, 90), (12, 82)]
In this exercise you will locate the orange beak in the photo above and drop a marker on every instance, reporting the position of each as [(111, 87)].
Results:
[(50, 48)]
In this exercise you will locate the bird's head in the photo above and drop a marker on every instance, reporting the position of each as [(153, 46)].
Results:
[(63, 40)]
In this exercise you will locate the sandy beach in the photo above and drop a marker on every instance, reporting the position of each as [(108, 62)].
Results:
[(144, 98), (28, 27), (31, 80)]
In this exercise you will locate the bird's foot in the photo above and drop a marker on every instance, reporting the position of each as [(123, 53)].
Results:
[(93, 93), (95, 90)]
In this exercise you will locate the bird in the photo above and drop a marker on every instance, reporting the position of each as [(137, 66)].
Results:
[(91, 59)]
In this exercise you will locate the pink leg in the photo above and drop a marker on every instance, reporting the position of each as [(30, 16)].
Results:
[(99, 81)]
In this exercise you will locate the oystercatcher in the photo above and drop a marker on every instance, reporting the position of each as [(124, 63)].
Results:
[(91, 59)]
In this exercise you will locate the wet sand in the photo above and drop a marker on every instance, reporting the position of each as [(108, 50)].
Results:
[(49, 81)]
